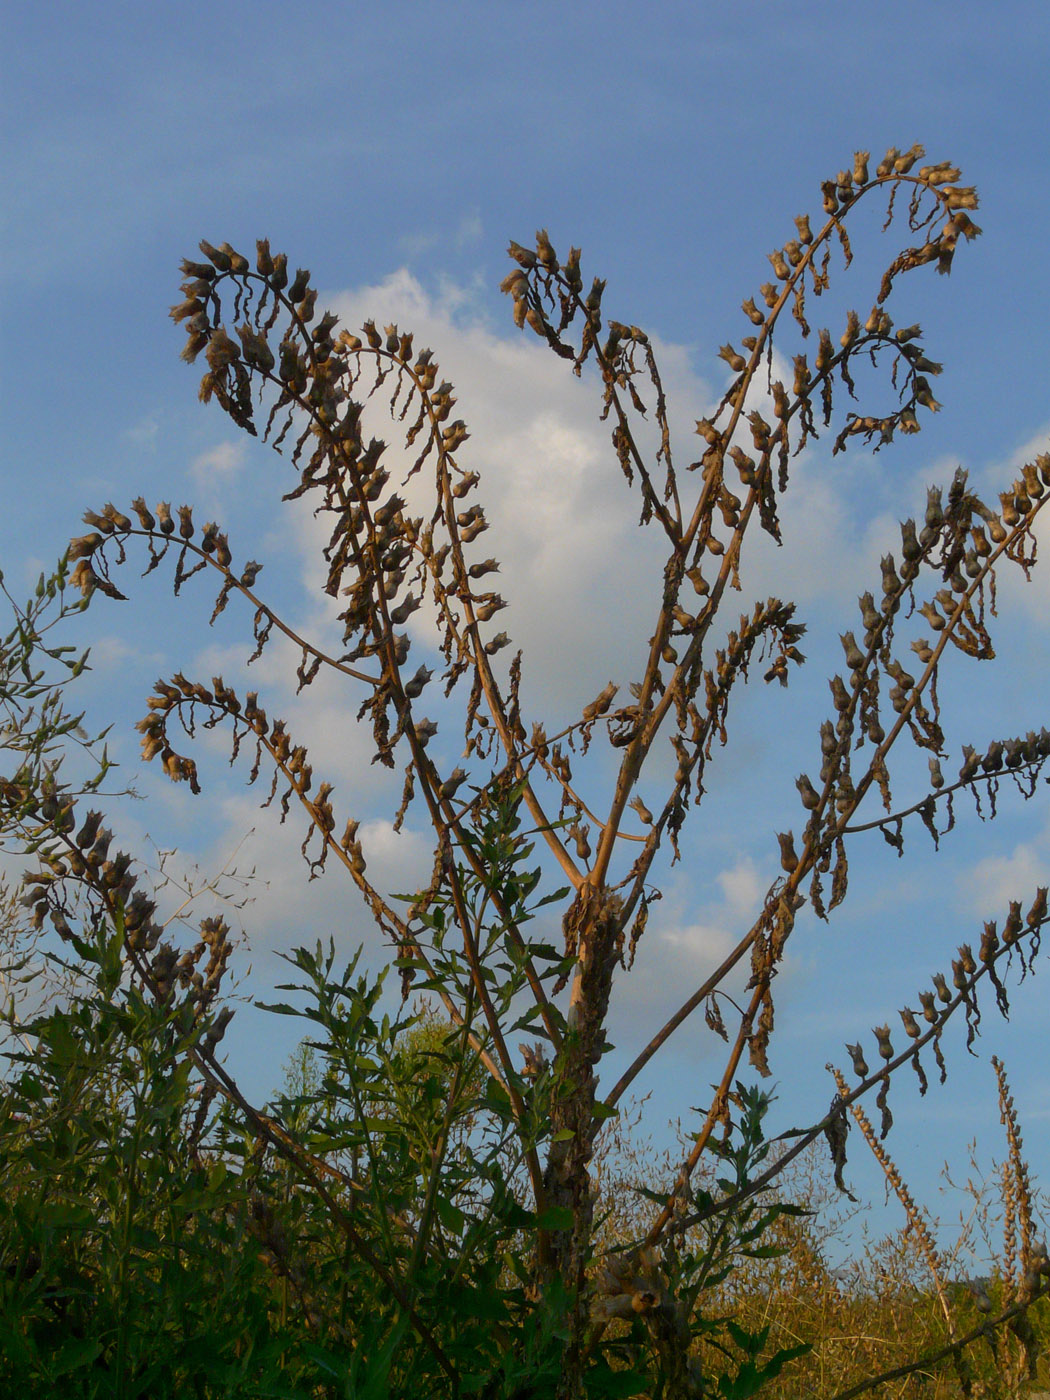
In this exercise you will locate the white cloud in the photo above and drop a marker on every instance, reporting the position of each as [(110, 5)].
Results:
[(582, 580), (992, 882), (471, 229), (220, 463), (288, 907), (743, 888), (143, 434)]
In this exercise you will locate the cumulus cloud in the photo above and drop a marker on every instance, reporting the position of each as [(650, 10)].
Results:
[(220, 463), (993, 881), (143, 433), (288, 907)]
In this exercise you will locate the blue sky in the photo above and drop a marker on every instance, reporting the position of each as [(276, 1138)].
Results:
[(394, 150)]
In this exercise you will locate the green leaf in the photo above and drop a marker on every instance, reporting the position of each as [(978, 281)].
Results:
[(555, 1218), (616, 1384), (82, 1351)]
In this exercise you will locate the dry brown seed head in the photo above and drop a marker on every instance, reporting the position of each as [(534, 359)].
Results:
[(452, 783), (545, 250), (752, 312), (911, 1026), (1037, 913), (860, 1065), (809, 794), (885, 166), (788, 858)]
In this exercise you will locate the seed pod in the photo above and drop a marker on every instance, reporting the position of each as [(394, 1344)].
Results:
[(934, 510), (414, 687), (218, 256), (860, 1065), (942, 988), (454, 781), (425, 730), (752, 312), (1014, 753), (523, 256), (891, 584), (882, 1035), (736, 362), (487, 610), (802, 376), (600, 705), (760, 430), (146, 520), (992, 761), (1011, 514), (825, 350), (933, 617), (910, 547), (745, 465), (788, 858), (545, 250), (911, 1026), (583, 846), (854, 655), (84, 546), (1037, 913), (869, 616), (117, 518), (989, 943), (810, 796), (779, 264), (885, 166)]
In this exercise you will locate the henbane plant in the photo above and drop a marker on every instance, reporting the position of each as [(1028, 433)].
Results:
[(280, 369)]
